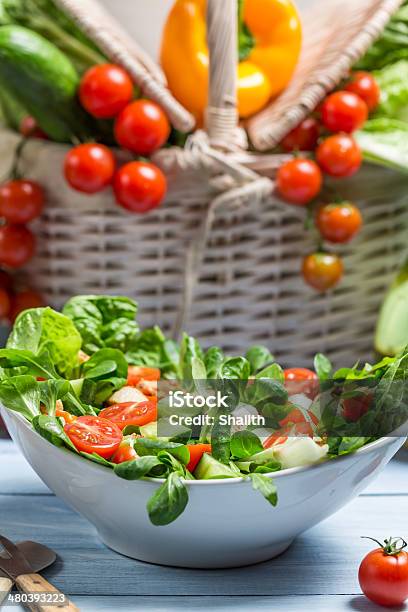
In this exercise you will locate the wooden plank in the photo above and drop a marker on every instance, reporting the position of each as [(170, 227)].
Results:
[(323, 561), (290, 603)]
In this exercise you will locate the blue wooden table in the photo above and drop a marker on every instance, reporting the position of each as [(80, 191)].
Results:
[(319, 572)]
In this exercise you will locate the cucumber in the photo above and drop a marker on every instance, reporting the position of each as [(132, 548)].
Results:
[(13, 112), (209, 468), (43, 81)]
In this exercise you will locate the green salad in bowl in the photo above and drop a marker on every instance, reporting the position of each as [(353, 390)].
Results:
[(145, 407)]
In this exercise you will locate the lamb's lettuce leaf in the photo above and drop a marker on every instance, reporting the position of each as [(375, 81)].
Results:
[(107, 368), (21, 394)]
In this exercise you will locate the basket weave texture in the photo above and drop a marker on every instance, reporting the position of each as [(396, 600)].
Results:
[(243, 245)]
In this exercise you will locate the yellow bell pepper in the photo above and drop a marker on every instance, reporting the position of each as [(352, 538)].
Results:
[(274, 30)]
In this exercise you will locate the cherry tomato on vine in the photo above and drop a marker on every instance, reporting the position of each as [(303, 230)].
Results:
[(322, 271), (301, 380), (339, 156), (142, 127), (298, 181), (383, 573), (91, 434), (364, 85), (139, 186), (21, 201), (5, 303), (343, 111), (17, 245), (304, 137), (131, 413), (339, 222), (89, 168), (23, 300), (29, 128), (105, 90)]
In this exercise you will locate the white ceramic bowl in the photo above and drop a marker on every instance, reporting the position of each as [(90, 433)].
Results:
[(226, 523)]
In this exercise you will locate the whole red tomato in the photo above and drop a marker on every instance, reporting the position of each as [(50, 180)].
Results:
[(364, 85), (23, 300), (105, 90), (89, 168), (17, 245), (344, 111), (339, 156), (383, 573), (322, 271), (142, 127), (5, 303), (339, 222), (139, 186), (301, 380), (304, 137), (21, 201), (298, 181)]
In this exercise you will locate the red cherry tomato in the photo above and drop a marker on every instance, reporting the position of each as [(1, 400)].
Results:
[(29, 128), (304, 137), (6, 281), (142, 127), (105, 90), (364, 85), (89, 168), (131, 413), (138, 373), (299, 181), (322, 271), (343, 111), (17, 245), (21, 201), (339, 222), (275, 439), (5, 303), (139, 186), (196, 452), (339, 156), (23, 301), (91, 434), (125, 452), (383, 573), (301, 380)]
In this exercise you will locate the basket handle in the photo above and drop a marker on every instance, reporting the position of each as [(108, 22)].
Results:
[(222, 37)]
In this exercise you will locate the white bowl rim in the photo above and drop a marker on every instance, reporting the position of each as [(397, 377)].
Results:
[(384, 441)]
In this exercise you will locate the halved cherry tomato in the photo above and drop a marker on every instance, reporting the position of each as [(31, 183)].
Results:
[(296, 416), (344, 111), (17, 245), (125, 452), (298, 181), (138, 373), (322, 271), (301, 380), (131, 413), (142, 127), (67, 416), (105, 90), (21, 201), (339, 156), (353, 408), (304, 137), (92, 434), (196, 452), (339, 223), (89, 168), (364, 85), (275, 439), (139, 186)]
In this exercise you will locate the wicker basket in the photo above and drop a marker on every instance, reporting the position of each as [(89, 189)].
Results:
[(221, 258)]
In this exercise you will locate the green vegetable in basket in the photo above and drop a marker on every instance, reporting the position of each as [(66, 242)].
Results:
[(385, 142), (45, 18), (392, 327), (42, 80)]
